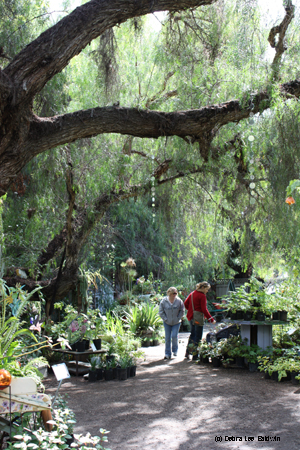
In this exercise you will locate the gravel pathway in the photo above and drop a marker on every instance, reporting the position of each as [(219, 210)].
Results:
[(180, 405)]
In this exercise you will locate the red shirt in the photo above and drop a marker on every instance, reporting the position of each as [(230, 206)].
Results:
[(200, 302)]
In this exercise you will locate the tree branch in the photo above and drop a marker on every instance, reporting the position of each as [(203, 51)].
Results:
[(281, 29), (48, 133), (50, 53)]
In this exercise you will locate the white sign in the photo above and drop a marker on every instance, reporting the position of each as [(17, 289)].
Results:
[(61, 371), (93, 347)]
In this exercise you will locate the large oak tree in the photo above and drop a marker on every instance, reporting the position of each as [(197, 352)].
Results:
[(23, 134)]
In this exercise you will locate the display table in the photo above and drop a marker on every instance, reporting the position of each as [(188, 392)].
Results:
[(21, 397), (256, 332), (77, 356)]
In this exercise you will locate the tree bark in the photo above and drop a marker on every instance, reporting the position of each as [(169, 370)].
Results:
[(23, 135)]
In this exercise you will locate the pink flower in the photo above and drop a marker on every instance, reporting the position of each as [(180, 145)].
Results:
[(83, 329), (74, 326)]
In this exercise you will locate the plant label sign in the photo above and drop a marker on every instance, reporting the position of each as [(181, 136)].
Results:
[(61, 371), (93, 347)]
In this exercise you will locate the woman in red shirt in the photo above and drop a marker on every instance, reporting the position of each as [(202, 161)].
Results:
[(200, 304)]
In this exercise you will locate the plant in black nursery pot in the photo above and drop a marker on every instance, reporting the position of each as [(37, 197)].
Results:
[(92, 372), (123, 368), (108, 372)]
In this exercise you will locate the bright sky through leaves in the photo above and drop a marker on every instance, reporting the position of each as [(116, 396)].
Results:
[(273, 8)]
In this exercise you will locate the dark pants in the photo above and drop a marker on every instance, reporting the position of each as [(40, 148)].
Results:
[(195, 336)]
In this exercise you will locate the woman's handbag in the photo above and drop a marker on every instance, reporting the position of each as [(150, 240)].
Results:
[(198, 317)]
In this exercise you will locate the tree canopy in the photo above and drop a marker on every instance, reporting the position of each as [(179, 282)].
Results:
[(184, 124)]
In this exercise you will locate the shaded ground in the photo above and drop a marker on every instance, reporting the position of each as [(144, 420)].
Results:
[(180, 405)]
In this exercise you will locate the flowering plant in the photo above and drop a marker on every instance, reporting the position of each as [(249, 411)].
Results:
[(78, 329)]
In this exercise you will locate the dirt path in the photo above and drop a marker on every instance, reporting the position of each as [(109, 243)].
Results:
[(179, 405)]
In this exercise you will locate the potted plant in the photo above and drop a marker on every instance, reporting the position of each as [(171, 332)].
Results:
[(278, 368), (236, 348), (216, 353), (251, 353), (203, 351), (237, 302), (146, 342), (193, 350), (155, 340), (122, 372), (110, 349), (92, 372), (108, 371), (100, 368)]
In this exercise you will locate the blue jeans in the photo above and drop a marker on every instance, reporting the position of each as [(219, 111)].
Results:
[(171, 334), (196, 333)]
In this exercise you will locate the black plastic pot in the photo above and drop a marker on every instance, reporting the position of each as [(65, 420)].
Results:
[(204, 359), (81, 346), (108, 374), (247, 315), (132, 371), (146, 344), (97, 343), (232, 315), (99, 374), (274, 377), (219, 318), (239, 360), (252, 367), (276, 315), (216, 361), (74, 347), (122, 374), (260, 316), (283, 315), (239, 315), (110, 357), (155, 342), (293, 375), (92, 375), (267, 376)]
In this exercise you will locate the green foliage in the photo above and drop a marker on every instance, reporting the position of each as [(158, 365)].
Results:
[(282, 365), (142, 318), (10, 325), (63, 426), (200, 57)]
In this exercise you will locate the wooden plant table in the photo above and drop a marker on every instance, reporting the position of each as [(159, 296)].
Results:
[(77, 356)]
